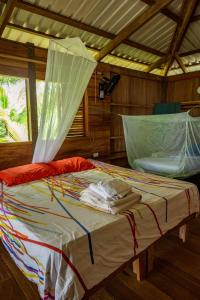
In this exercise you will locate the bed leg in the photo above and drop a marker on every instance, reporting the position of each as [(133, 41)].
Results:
[(144, 263), (183, 232), (140, 266), (150, 258)]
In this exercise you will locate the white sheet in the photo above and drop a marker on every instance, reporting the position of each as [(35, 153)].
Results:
[(170, 166)]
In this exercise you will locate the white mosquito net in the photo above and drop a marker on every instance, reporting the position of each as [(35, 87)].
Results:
[(69, 69), (167, 145)]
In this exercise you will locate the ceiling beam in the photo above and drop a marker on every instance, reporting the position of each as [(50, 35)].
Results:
[(133, 26), (143, 47), (195, 18), (180, 63), (188, 8), (187, 11), (165, 11), (77, 24), (191, 52), (7, 11), (157, 64), (50, 36), (47, 35)]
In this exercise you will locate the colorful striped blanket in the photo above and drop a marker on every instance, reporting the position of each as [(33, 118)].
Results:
[(67, 248)]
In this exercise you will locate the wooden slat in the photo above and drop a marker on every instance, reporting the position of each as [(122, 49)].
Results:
[(23, 59), (32, 97), (132, 27), (4, 18)]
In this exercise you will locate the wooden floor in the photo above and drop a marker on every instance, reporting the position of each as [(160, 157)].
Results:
[(176, 275)]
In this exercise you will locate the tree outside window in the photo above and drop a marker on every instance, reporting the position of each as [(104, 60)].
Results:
[(13, 110)]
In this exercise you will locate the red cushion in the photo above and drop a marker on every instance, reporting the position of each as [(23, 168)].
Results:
[(26, 173), (73, 164)]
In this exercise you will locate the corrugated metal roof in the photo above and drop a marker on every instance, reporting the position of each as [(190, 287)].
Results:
[(39, 23), (157, 33), (192, 38), (22, 37), (175, 6), (124, 63), (135, 54), (111, 16), (197, 12), (175, 72)]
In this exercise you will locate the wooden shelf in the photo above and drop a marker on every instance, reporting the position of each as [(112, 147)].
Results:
[(131, 105)]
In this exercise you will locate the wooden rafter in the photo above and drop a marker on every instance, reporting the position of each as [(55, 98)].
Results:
[(133, 26), (80, 25), (165, 11), (180, 62), (50, 36), (157, 64), (191, 52), (187, 11), (7, 11), (186, 14), (47, 35), (195, 18)]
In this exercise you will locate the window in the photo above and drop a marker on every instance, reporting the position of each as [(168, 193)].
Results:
[(13, 110), (14, 120), (78, 126)]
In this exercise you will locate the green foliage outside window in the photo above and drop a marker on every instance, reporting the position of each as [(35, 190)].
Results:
[(13, 112)]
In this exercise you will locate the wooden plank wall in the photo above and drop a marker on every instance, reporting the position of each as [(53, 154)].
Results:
[(135, 94), (132, 96), (183, 88)]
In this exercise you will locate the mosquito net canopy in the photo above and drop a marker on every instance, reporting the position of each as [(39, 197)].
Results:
[(167, 145), (69, 68)]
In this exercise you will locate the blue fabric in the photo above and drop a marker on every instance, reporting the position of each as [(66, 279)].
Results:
[(166, 108), (194, 150)]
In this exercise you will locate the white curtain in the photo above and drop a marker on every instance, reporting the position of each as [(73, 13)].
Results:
[(69, 69)]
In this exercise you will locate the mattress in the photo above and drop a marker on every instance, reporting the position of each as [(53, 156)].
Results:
[(67, 248), (171, 166)]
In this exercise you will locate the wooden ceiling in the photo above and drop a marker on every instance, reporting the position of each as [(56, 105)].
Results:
[(164, 60)]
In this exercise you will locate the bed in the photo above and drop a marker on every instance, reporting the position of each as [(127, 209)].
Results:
[(67, 248), (171, 166)]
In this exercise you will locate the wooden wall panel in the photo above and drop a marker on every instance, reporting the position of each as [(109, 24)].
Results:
[(183, 89), (15, 154), (132, 96)]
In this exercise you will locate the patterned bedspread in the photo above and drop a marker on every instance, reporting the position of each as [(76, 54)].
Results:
[(67, 248)]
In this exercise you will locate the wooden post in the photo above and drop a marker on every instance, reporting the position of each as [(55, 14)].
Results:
[(183, 232), (144, 263), (164, 84), (140, 266), (32, 97)]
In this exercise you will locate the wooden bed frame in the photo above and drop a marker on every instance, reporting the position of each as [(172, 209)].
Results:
[(143, 263)]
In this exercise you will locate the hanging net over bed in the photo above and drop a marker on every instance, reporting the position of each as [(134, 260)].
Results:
[(167, 145), (69, 69)]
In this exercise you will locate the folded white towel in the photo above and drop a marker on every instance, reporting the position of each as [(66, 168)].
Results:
[(114, 188), (93, 197), (115, 206)]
